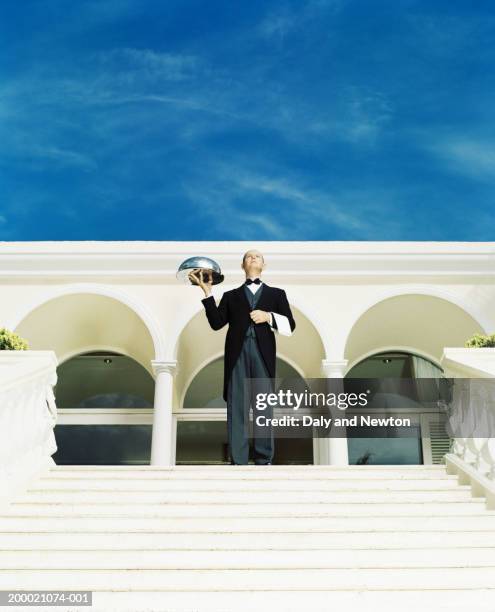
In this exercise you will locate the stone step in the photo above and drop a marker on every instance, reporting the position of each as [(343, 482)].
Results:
[(143, 509), (482, 521), (254, 579), (225, 537), (369, 600), (225, 467), (225, 496), (261, 473), (203, 484), (248, 560), (253, 540)]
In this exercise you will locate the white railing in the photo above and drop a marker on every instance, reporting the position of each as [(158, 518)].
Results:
[(27, 418), (472, 455)]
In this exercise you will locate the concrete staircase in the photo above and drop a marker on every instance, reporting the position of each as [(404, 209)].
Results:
[(245, 537)]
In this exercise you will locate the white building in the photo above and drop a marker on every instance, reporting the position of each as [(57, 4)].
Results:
[(137, 361), (137, 373)]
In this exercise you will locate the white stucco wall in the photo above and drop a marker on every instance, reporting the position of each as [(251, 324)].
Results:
[(349, 298)]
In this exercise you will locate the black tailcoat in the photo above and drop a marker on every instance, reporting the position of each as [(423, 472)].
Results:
[(234, 309)]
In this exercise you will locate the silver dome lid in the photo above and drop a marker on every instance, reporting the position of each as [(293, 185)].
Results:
[(199, 262)]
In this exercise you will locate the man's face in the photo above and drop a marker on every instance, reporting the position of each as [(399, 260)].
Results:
[(253, 262)]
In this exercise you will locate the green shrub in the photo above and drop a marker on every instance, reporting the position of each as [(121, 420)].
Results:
[(481, 341), (9, 341)]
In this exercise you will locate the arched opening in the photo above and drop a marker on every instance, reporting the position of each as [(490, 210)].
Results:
[(78, 322), (205, 390), (105, 387), (419, 323), (202, 438), (99, 396), (200, 412), (427, 440), (404, 336), (103, 379)]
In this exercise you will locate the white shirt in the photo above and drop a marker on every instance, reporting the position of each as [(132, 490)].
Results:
[(283, 325)]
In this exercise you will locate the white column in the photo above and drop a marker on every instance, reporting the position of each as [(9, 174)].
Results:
[(162, 435), (333, 451)]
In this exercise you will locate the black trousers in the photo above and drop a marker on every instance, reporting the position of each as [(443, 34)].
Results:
[(240, 396)]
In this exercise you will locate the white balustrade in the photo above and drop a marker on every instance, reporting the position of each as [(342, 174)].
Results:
[(28, 415), (472, 418)]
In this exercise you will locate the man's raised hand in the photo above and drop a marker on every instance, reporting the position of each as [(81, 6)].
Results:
[(197, 275)]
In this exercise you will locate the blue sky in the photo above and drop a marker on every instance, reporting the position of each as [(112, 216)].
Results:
[(259, 120)]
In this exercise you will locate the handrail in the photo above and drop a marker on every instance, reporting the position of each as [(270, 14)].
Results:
[(472, 455), (28, 414)]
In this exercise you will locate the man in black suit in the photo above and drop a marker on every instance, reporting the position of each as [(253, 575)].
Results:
[(255, 312)]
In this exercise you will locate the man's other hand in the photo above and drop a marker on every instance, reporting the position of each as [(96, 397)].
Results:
[(260, 316)]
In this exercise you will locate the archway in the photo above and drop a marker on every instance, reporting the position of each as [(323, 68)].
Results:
[(426, 440), (76, 322), (407, 328), (419, 323), (199, 354), (204, 439), (105, 386)]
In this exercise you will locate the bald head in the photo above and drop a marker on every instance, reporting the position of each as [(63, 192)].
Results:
[(253, 262), (253, 252)]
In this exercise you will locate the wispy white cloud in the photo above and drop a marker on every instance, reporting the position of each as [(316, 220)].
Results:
[(138, 65), (469, 156), (287, 18), (250, 224), (63, 157), (277, 24), (300, 83), (368, 113), (83, 123), (274, 208), (136, 90), (36, 146)]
